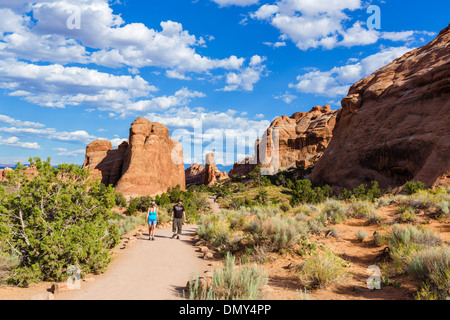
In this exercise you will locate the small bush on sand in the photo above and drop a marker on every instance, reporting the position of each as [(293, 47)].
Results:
[(361, 235), (406, 242), (432, 267), (322, 270), (232, 282), (214, 228)]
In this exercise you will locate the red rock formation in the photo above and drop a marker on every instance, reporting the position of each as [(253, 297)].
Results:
[(195, 174), (298, 139), (104, 162), (3, 173), (149, 164), (211, 173), (394, 125), (243, 167), (210, 170)]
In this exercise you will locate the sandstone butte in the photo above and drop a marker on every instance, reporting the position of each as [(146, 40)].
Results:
[(394, 126), (208, 175), (148, 164), (303, 138)]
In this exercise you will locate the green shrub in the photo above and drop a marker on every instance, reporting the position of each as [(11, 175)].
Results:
[(322, 270), (237, 203), (413, 187), (407, 214), (232, 282), (121, 202), (214, 228), (335, 212), (55, 220), (128, 224), (132, 209), (432, 267), (262, 197), (285, 207), (8, 262), (406, 242)]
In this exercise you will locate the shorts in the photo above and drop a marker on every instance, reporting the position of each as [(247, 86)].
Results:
[(152, 222), (177, 225)]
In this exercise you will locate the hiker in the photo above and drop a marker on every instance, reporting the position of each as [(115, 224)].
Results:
[(152, 220), (178, 218)]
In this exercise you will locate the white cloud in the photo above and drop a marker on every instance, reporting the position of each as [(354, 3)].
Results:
[(104, 38), (18, 123), (200, 131), (286, 97), (322, 24), (79, 136), (264, 12), (241, 3), (337, 81), (180, 98), (15, 142), (247, 77), (277, 44), (66, 153)]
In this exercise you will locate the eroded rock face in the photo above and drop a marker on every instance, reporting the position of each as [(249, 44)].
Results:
[(210, 170), (195, 174), (104, 162), (208, 175), (148, 164), (3, 173), (298, 139), (301, 137), (394, 125), (243, 167)]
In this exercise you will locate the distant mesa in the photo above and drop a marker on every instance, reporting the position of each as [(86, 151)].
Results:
[(394, 126), (148, 164)]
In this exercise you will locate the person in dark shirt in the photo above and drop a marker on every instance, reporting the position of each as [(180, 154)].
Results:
[(178, 218)]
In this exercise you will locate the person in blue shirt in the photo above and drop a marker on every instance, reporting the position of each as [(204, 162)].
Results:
[(152, 220)]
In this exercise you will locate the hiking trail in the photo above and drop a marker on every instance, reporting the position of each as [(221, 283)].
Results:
[(147, 270)]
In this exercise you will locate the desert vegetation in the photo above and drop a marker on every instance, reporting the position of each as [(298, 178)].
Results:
[(59, 217), (264, 216)]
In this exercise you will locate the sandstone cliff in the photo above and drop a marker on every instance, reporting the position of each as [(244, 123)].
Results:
[(195, 174), (394, 125), (148, 164), (298, 139)]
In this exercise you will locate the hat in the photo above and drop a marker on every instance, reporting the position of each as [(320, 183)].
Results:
[(153, 202)]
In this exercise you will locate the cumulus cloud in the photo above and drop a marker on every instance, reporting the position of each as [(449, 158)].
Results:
[(246, 78), (180, 98), (230, 134), (103, 39), (337, 81), (15, 142), (322, 24)]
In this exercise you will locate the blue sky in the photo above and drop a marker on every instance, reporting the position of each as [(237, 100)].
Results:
[(230, 65)]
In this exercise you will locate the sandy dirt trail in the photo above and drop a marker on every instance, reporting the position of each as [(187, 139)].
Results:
[(148, 270), (214, 205)]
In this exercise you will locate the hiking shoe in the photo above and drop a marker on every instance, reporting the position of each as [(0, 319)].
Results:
[(178, 237), (173, 237), (153, 238)]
